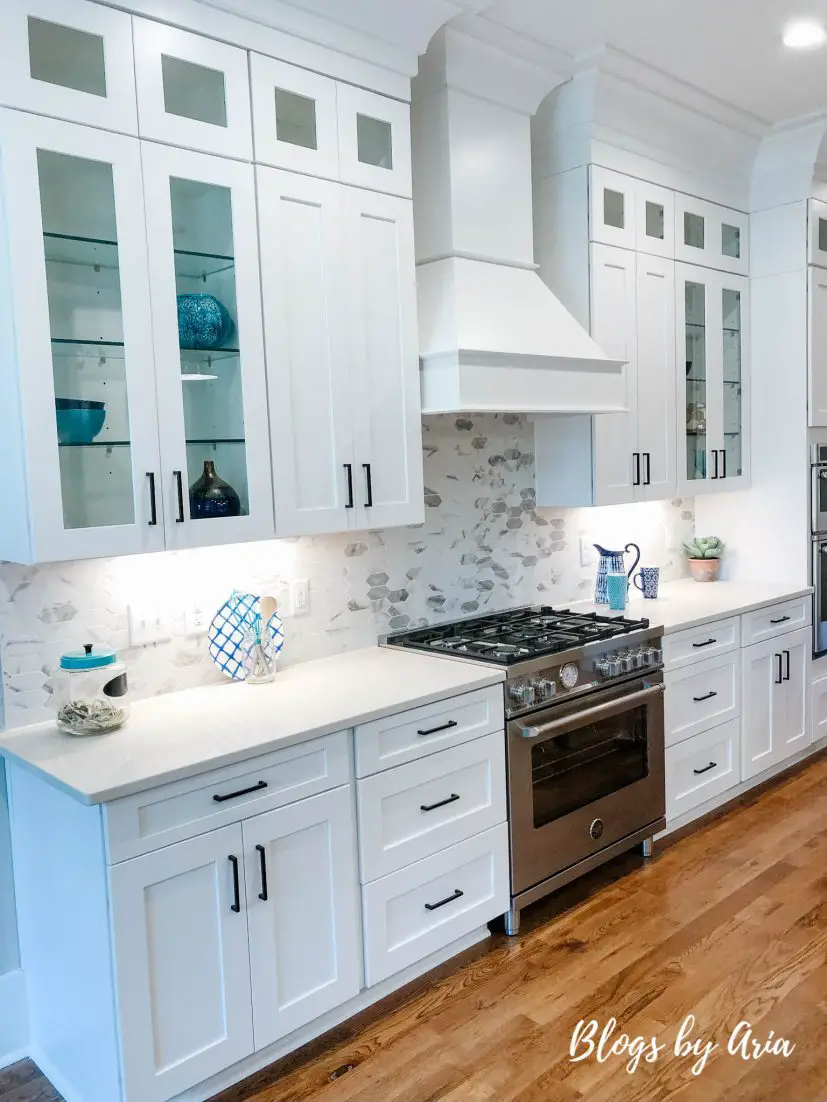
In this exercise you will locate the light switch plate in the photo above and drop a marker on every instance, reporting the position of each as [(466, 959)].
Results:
[(148, 625), (300, 597), (588, 555)]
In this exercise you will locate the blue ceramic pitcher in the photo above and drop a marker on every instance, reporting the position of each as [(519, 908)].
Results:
[(611, 562)]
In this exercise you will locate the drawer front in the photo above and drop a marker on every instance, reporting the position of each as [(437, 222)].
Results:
[(684, 648), (764, 623), (702, 696), (161, 816), (418, 732), (426, 906), (409, 813), (702, 767)]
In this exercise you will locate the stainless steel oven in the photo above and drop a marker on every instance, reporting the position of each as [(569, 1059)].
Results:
[(819, 546), (818, 489), (586, 780)]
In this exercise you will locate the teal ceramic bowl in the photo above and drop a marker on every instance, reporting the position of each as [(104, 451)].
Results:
[(78, 421)]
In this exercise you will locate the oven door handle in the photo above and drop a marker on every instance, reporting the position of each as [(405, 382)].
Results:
[(588, 715)]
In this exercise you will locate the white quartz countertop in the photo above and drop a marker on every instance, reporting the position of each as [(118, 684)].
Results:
[(686, 603), (182, 734)]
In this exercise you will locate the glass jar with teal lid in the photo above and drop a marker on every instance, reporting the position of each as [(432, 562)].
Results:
[(91, 691)]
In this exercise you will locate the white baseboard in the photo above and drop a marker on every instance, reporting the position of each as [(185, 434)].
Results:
[(14, 1018)]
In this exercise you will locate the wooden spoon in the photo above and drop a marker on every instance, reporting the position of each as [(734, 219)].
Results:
[(267, 606)]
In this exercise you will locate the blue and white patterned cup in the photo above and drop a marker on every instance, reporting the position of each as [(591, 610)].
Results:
[(646, 580), (617, 586)]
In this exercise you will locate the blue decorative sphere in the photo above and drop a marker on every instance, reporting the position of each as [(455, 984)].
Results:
[(203, 322)]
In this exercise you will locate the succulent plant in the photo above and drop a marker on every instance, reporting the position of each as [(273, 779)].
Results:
[(704, 547)]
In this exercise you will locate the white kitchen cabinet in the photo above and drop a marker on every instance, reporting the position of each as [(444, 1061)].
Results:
[(193, 92), (74, 292), (182, 968), (301, 879), (212, 405), (711, 235), (656, 414), (69, 59), (817, 216), (775, 695), (712, 310), (339, 299), (374, 141), (295, 124), (817, 344), (630, 213)]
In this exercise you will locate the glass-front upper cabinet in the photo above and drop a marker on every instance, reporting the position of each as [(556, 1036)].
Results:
[(294, 118), (209, 349), (705, 233), (77, 347), (374, 141), (631, 213), (713, 387), (192, 92), (69, 59)]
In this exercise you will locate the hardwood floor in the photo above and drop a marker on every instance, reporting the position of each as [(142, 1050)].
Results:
[(728, 923)]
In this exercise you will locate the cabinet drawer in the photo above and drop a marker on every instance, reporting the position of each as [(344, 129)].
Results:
[(701, 767), (422, 908), (418, 732), (701, 696), (683, 648), (409, 813), (148, 820), (764, 623)]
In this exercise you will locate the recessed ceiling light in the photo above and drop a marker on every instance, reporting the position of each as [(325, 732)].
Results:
[(804, 34)]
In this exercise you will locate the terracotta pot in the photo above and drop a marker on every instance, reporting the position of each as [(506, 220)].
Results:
[(704, 570)]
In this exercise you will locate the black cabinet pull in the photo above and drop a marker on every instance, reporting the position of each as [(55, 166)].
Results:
[(715, 460), (262, 857), (723, 462), (179, 483), (432, 807), (707, 696), (780, 620), (349, 471), (648, 477), (241, 792), (705, 769), (442, 727), (780, 677), (153, 504), (368, 485), (787, 657), (636, 468), (708, 643), (235, 906), (448, 899)]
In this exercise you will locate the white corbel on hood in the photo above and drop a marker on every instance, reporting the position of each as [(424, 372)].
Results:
[(492, 335)]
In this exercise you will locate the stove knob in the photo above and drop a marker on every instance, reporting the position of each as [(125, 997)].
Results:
[(613, 667), (627, 663), (601, 666), (656, 656), (546, 687), (638, 658), (522, 693)]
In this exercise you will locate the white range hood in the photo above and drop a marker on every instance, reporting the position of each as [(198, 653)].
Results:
[(492, 335)]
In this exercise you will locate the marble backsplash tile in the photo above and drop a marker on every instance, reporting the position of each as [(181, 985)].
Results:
[(484, 545)]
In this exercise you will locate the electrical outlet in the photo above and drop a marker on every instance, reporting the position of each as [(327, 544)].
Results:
[(148, 625), (196, 618), (300, 597), (588, 555)]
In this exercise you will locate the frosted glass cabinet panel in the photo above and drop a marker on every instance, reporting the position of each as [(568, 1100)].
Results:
[(69, 59), (192, 92), (707, 234), (713, 389), (374, 141), (209, 350), (294, 118), (77, 261)]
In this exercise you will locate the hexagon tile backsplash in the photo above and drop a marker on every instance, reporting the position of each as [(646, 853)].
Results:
[(484, 545)]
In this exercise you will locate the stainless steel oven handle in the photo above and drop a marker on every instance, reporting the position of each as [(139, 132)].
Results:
[(600, 711)]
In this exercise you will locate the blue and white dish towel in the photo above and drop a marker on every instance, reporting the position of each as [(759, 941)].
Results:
[(229, 628)]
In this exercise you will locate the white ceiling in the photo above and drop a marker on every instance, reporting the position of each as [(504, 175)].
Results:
[(730, 49)]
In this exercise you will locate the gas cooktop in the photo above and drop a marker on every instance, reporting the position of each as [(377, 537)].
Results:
[(519, 635)]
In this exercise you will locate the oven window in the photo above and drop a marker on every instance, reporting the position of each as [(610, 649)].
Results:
[(575, 769), (820, 582)]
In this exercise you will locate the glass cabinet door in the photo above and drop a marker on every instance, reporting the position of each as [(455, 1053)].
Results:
[(731, 461), (82, 320), (206, 309), (694, 320), (69, 59), (613, 211), (374, 141)]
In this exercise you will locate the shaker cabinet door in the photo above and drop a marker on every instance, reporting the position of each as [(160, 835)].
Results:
[(182, 966), (381, 310), (69, 59), (304, 275), (77, 344), (711, 235), (763, 706), (374, 140), (303, 912), (209, 347), (193, 92), (656, 377), (817, 317), (612, 208)]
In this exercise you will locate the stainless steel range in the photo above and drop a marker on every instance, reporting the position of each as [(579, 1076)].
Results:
[(585, 735)]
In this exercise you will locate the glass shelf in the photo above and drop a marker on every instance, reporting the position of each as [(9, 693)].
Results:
[(209, 355), (99, 444), (225, 440), (87, 252), (193, 265), (70, 348)]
